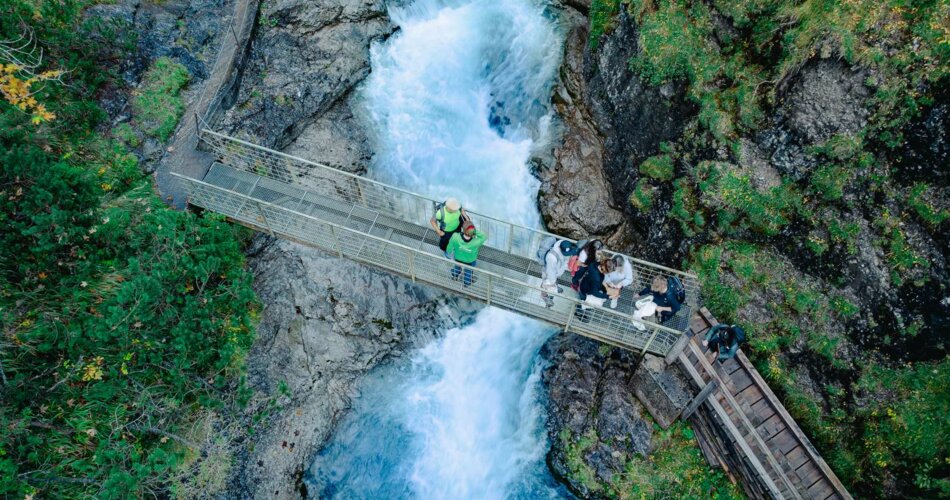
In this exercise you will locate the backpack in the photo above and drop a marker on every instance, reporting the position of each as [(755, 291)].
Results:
[(546, 245), (440, 216), (739, 333), (676, 286)]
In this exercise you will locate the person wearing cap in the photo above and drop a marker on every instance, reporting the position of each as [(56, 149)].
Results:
[(555, 263), (447, 220), (463, 247)]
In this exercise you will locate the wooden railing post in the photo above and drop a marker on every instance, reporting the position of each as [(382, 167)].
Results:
[(676, 349)]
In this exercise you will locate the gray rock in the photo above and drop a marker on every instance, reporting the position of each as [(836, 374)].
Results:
[(306, 57), (828, 98), (590, 397), (325, 323), (824, 99), (574, 197), (337, 138)]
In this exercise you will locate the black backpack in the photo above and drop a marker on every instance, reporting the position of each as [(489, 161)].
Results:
[(676, 286), (739, 332)]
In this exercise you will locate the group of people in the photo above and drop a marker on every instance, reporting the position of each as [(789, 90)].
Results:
[(600, 279), (458, 238), (596, 279)]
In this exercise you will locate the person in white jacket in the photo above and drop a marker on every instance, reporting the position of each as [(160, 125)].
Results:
[(555, 263), (615, 281)]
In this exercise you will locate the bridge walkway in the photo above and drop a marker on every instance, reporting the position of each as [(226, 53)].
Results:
[(742, 417), (381, 225)]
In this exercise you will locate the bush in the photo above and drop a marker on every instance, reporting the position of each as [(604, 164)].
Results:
[(642, 196), (159, 105), (659, 167)]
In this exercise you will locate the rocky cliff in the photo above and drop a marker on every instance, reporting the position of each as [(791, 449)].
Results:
[(819, 222)]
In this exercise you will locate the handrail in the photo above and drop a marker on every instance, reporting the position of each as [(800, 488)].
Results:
[(481, 271), (359, 178)]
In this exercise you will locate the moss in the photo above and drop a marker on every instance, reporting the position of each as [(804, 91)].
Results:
[(920, 200), (659, 167), (602, 13), (158, 104), (642, 196)]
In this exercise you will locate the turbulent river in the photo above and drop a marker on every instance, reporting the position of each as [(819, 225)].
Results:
[(458, 101)]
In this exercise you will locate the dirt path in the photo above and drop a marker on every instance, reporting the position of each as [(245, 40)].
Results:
[(181, 155)]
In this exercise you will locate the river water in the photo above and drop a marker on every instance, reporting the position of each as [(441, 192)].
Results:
[(458, 100)]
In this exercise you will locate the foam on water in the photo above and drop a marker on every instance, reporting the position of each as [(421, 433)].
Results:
[(457, 100)]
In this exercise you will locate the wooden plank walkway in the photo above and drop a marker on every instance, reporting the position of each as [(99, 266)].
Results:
[(743, 419)]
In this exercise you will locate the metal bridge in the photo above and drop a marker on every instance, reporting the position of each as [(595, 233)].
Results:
[(388, 227)]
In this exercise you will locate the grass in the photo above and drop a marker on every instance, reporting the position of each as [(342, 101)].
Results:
[(158, 104), (642, 196), (675, 469)]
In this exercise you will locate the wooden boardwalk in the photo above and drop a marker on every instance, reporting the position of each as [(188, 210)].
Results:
[(743, 427)]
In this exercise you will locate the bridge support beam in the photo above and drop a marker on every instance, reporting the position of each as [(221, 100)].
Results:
[(699, 399)]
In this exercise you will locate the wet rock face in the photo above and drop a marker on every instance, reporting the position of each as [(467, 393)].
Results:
[(633, 116), (574, 197), (593, 415), (185, 31), (926, 156), (824, 99), (611, 121), (306, 57), (325, 323)]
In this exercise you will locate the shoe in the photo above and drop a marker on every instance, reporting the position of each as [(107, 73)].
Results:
[(613, 303), (549, 302), (638, 325)]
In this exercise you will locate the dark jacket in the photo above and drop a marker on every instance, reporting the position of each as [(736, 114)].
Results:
[(591, 281), (667, 299)]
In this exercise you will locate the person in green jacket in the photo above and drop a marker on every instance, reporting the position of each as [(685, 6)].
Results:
[(463, 247), (447, 220)]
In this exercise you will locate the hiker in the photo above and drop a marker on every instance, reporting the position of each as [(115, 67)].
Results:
[(553, 255), (591, 287), (591, 280), (621, 276), (463, 247), (447, 220), (585, 257), (666, 299), (725, 340)]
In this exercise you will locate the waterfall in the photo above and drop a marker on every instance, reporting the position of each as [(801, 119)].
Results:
[(457, 99)]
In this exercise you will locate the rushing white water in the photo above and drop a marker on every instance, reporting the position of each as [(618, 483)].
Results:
[(456, 98)]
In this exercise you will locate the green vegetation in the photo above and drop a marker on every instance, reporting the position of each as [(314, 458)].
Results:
[(642, 196), (158, 104), (675, 469), (919, 199), (659, 167), (125, 322), (602, 13)]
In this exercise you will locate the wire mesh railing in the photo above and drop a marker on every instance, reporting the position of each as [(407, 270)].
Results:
[(327, 181), (371, 237)]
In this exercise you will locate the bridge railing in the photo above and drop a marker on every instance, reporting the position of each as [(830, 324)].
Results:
[(419, 264), (373, 195)]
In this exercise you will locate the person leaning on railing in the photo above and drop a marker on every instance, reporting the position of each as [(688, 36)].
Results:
[(447, 220), (463, 247), (664, 298)]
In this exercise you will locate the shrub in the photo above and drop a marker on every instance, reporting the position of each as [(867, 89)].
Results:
[(642, 196), (659, 167), (159, 104)]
